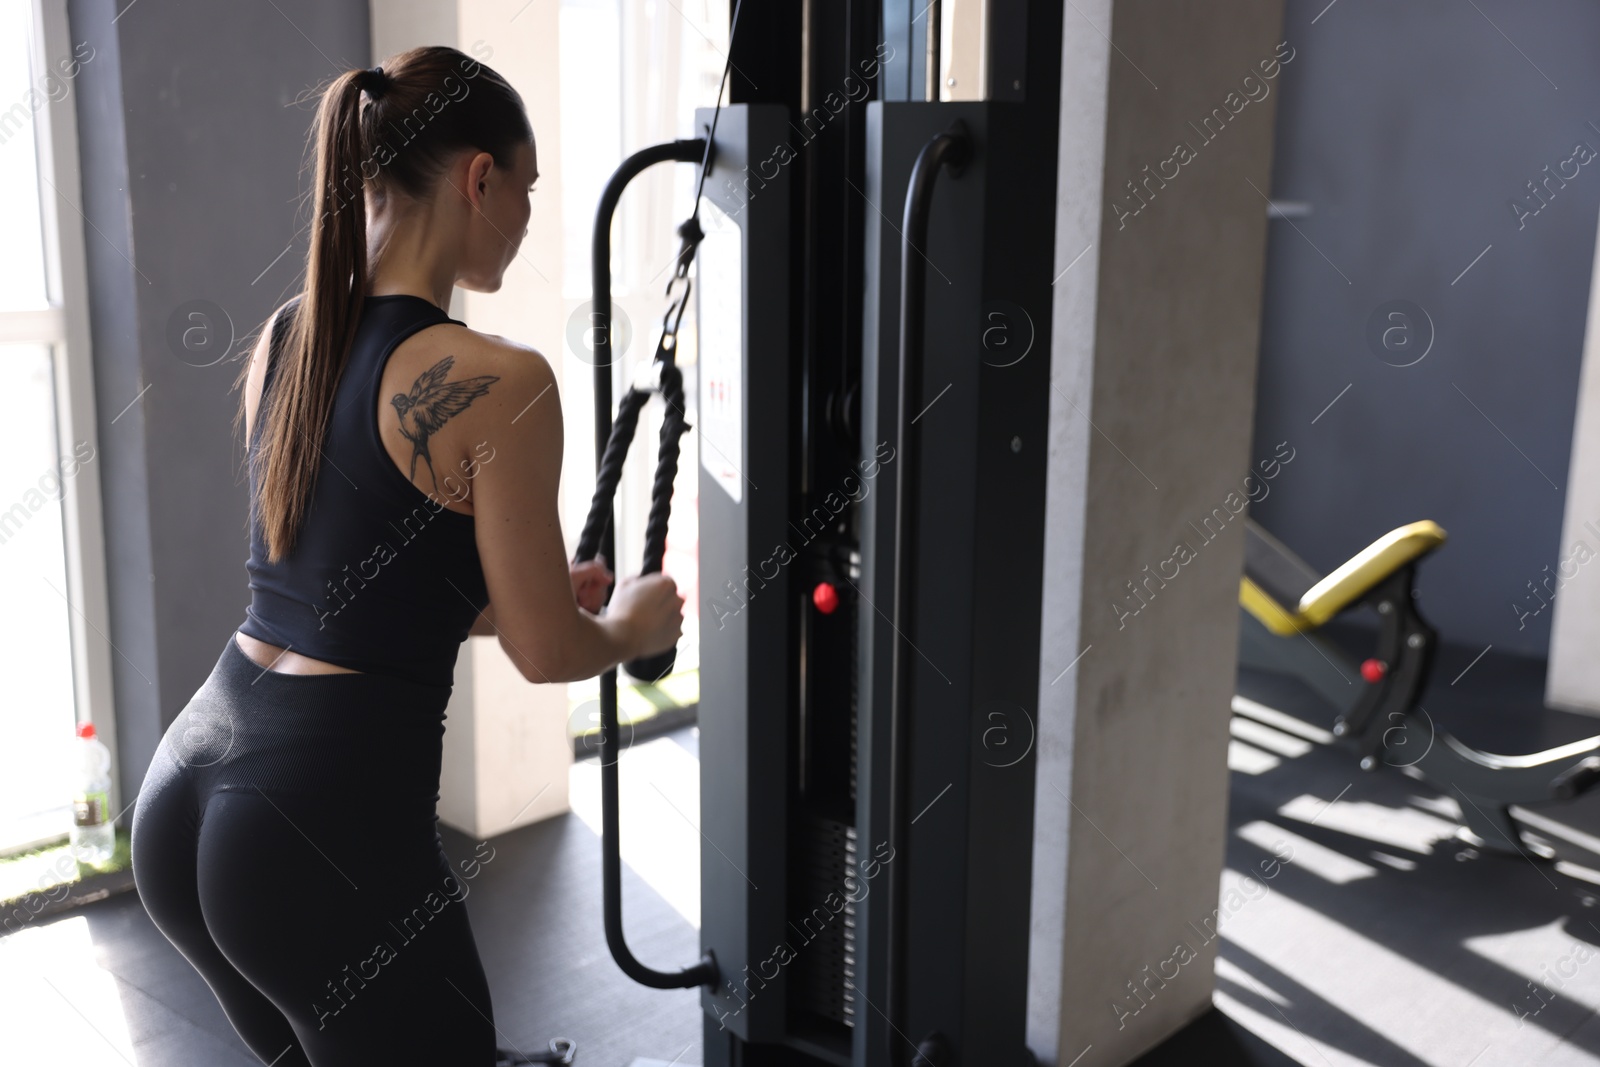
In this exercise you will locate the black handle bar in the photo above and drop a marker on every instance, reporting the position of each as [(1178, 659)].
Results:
[(952, 148), (599, 536)]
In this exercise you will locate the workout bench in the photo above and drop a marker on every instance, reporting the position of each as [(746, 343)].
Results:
[(1285, 603)]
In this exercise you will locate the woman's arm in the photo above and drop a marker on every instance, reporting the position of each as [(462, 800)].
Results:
[(515, 501), (589, 582), (483, 625)]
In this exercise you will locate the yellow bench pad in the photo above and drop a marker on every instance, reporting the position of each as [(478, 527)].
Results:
[(1347, 584)]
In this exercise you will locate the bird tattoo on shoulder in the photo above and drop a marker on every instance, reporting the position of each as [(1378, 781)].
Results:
[(431, 403)]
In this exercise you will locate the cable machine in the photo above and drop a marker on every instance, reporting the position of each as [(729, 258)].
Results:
[(873, 240)]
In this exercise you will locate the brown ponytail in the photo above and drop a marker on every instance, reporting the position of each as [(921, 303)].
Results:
[(425, 106)]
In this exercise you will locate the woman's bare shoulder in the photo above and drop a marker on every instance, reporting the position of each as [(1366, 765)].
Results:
[(465, 351), (452, 396), (465, 386)]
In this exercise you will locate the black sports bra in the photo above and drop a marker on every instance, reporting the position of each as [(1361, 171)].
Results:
[(383, 577)]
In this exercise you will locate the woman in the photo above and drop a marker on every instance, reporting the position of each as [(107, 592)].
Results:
[(403, 495)]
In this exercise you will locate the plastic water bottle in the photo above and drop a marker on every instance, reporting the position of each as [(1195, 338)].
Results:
[(93, 836)]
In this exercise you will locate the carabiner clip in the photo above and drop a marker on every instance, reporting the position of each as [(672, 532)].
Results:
[(674, 316), (691, 234), (678, 285)]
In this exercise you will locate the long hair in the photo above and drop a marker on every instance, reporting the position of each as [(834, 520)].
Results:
[(379, 136)]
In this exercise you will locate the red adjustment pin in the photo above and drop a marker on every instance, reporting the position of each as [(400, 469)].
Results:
[(1373, 670), (825, 597)]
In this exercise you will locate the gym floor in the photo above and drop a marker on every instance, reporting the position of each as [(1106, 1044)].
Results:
[(1383, 940), (1379, 940)]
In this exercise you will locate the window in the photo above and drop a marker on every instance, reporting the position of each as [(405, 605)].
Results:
[(647, 65), (51, 550)]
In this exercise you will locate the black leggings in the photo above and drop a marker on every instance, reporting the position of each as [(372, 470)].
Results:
[(286, 842)]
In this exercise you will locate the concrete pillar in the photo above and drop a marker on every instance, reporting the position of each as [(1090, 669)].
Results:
[(1153, 349), (1573, 679), (189, 162), (506, 752)]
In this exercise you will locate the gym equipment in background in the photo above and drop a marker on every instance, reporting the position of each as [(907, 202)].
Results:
[(871, 515), (1285, 603)]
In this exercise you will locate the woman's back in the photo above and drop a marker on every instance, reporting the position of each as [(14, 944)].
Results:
[(384, 576)]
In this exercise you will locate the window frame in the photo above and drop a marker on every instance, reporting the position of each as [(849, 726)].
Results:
[(63, 326)]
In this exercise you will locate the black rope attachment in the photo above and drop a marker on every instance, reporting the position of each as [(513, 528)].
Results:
[(674, 425)]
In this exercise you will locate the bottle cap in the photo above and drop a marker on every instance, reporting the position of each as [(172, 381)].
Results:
[(86, 729)]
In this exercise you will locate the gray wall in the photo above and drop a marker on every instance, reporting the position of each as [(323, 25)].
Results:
[(192, 150), (1408, 127)]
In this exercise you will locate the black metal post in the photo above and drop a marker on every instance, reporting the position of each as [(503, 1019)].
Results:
[(704, 972)]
